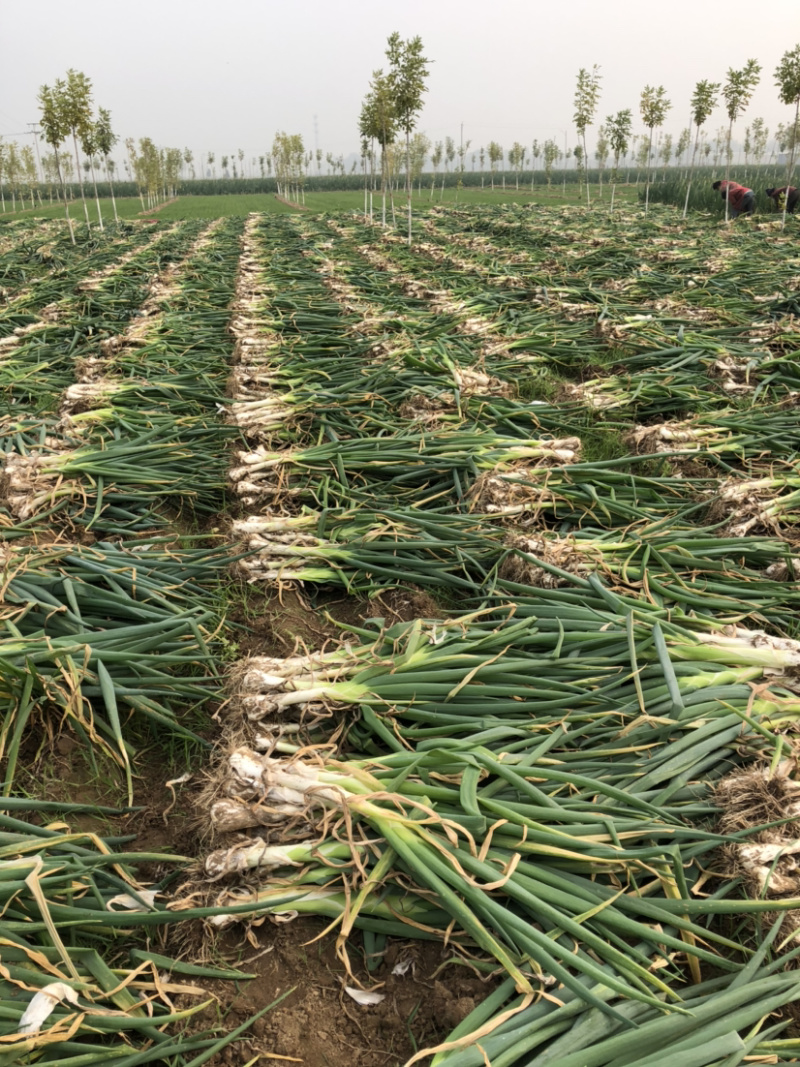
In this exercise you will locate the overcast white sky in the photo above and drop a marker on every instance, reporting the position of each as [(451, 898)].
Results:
[(219, 76)]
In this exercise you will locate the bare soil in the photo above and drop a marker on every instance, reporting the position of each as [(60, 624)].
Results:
[(318, 1024)]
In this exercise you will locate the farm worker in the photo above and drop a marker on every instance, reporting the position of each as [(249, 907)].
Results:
[(779, 196), (741, 200)]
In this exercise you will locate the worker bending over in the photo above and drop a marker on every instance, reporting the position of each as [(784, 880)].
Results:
[(780, 197), (741, 200)]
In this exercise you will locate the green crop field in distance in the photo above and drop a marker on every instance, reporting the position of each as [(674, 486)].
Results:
[(227, 205), (552, 196), (127, 208), (215, 207)]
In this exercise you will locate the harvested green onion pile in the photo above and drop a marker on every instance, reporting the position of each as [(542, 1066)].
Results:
[(568, 440)]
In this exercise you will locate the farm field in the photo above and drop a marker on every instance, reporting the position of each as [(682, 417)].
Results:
[(127, 208), (223, 206), (204, 207), (400, 641), (553, 195)]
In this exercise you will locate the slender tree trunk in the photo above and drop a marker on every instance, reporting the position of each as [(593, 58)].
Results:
[(96, 194), (383, 187), (790, 165), (613, 191), (691, 173), (111, 187), (408, 180), (647, 175), (80, 181), (372, 182), (586, 169), (727, 172), (64, 194), (566, 160)]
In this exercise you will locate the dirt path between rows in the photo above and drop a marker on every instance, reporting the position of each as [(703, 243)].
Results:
[(292, 203), (153, 210)]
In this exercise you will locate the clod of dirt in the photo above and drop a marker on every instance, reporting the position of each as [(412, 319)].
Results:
[(768, 861)]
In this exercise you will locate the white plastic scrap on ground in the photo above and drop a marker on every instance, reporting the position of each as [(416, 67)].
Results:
[(43, 1004), (361, 996)]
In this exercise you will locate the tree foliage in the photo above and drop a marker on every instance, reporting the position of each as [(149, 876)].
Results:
[(587, 97), (654, 105), (787, 78), (406, 79), (739, 87), (551, 154), (704, 100), (619, 128)]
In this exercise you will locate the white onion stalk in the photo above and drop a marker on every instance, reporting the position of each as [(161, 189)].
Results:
[(741, 649), (258, 706), (231, 814), (260, 674), (255, 571), (97, 391), (256, 853), (772, 866), (669, 436), (287, 782), (279, 547), (287, 903), (266, 742), (347, 787), (272, 524), (598, 395), (263, 412)]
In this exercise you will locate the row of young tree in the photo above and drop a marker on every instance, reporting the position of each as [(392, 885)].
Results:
[(735, 92), (66, 111), (158, 173), (81, 143), (391, 146), (390, 111)]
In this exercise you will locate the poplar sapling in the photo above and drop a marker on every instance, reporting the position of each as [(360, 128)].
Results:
[(105, 139), (787, 78), (75, 96), (90, 148), (619, 131), (704, 100), (736, 93), (54, 131), (408, 72), (378, 122), (587, 95), (653, 105)]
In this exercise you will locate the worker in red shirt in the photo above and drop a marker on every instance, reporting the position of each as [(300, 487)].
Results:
[(786, 197), (741, 200)]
